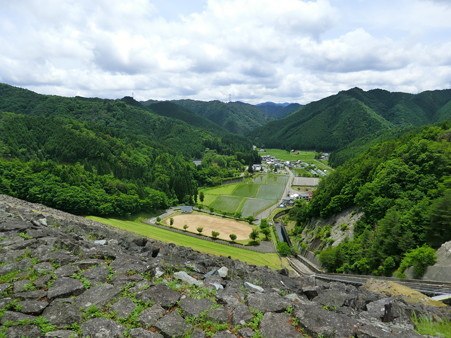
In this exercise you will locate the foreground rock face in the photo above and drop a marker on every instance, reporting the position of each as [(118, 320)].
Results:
[(63, 276)]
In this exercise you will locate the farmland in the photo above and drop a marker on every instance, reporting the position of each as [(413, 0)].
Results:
[(271, 260), (248, 197)]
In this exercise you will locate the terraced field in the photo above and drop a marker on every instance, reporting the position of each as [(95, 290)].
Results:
[(248, 197)]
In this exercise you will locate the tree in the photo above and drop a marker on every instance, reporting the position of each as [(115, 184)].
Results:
[(284, 249), (200, 229), (232, 237), (201, 197), (171, 221), (266, 231), (254, 234), (214, 234), (420, 258), (185, 227)]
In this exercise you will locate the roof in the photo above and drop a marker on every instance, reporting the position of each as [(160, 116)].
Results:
[(186, 208)]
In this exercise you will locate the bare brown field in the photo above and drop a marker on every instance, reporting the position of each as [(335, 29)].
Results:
[(224, 226)]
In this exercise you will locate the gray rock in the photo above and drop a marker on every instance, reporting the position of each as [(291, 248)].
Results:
[(123, 308), (140, 286), (31, 295), (138, 333), (331, 298), (150, 316), (160, 294), (66, 271), (21, 285), (99, 274), (267, 302), (219, 314), (62, 334), (124, 264), (11, 316), (246, 332), (61, 257), (98, 296), (184, 277), (223, 334), (41, 282), (198, 333), (87, 263), (172, 325), (100, 241), (62, 315), (241, 314), (194, 307), (222, 272), (14, 226), (317, 321), (20, 331), (311, 291), (277, 325), (65, 287), (102, 328), (4, 287), (43, 267), (253, 287), (32, 307)]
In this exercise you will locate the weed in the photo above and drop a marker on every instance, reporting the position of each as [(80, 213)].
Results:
[(86, 283), (25, 236), (329, 307), (254, 323), (427, 326), (289, 310)]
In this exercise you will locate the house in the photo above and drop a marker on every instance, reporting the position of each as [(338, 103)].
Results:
[(186, 209), (256, 167)]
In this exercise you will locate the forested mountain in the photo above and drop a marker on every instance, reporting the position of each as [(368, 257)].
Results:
[(172, 110), (95, 156), (403, 188), (337, 121), (236, 117), (278, 110)]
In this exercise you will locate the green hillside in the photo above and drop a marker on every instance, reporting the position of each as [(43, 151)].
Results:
[(107, 157), (236, 117), (335, 122), (403, 188)]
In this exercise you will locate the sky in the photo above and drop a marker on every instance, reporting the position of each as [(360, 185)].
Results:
[(244, 50)]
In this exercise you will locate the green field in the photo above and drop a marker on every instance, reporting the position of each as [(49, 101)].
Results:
[(290, 156), (248, 197), (254, 205), (271, 260)]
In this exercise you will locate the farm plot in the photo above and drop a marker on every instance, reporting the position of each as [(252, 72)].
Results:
[(248, 197), (224, 226), (227, 203), (253, 205)]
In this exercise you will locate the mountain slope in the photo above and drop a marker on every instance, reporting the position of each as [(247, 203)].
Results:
[(402, 187), (336, 121), (236, 117), (175, 111)]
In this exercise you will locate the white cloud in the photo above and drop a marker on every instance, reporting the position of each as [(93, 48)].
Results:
[(256, 50)]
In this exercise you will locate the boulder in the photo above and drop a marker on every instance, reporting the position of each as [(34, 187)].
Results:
[(160, 294), (172, 325), (138, 333), (98, 296), (62, 314), (123, 308), (184, 277), (150, 316), (65, 287), (277, 325), (102, 328), (267, 302)]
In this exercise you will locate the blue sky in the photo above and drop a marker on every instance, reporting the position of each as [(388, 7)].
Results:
[(253, 50)]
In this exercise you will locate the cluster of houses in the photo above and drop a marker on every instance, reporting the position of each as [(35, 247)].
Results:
[(291, 200), (272, 162)]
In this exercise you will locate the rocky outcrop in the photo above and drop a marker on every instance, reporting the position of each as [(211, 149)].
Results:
[(440, 271), (62, 276)]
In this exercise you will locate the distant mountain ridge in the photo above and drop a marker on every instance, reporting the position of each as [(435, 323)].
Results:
[(338, 120), (278, 110)]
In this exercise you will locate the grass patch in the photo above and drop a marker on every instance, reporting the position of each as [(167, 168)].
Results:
[(270, 192), (427, 326), (247, 190), (271, 260)]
